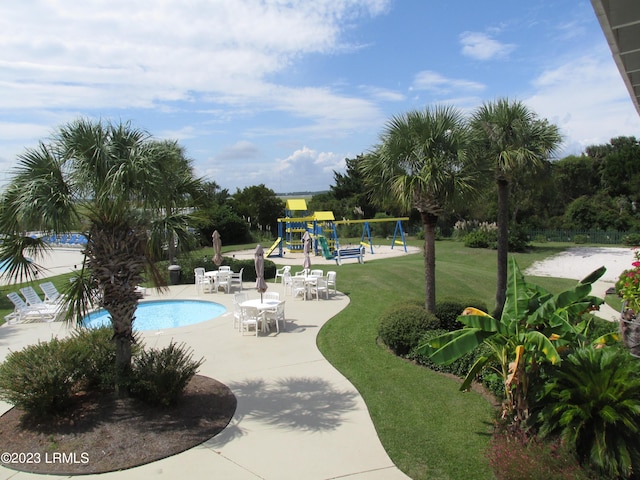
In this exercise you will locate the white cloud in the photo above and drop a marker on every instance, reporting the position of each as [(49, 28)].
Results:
[(311, 169), (433, 81), (587, 99), (482, 47), (93, 55)]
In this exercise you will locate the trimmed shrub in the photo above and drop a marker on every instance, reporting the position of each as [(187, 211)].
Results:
[(39, 379), (481, 239), (631, 240), (187, 275), (580, 239), (518, 239), (161, 375), (448, 311), (402, 327), (93, 352)]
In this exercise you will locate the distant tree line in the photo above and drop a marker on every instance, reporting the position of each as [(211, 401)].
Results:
[(597, 190)]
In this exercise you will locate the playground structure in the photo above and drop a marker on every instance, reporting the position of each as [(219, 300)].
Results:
[(323, 229)]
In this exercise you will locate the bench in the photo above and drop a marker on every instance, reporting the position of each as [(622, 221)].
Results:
[(357, 252)]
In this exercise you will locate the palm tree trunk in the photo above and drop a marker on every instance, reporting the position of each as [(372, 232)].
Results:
[(503, 245), (115, 255), (429, 221)]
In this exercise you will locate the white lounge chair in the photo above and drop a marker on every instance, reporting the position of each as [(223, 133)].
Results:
[(23, 312), (32, 297), (51, 293)]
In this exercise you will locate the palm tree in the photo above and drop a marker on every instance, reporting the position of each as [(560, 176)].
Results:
[(422, 163), (511, 139), (107, 180)]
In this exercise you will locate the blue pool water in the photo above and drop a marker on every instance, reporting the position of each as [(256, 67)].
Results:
[(162, 314)]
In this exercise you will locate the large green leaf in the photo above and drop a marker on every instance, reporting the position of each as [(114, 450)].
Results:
[(467, 340), (544, 345), (482, 322), (438, 342), (593, 276), (517, 301), (475, 369), (568, 297)]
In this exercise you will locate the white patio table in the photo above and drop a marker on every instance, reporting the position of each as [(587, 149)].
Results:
[(262, 306)]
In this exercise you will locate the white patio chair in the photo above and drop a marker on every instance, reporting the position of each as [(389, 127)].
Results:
[(250, 317), (203, 283), (223, 280), (331, 280), (299, 286), (224, 268), (280, 273), (238, 298), (317, 273), (276, 315), (271, 296), (286, 281), (319, 287), (236, 279)]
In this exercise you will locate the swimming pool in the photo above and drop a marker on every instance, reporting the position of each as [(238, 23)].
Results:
[(162, 314)]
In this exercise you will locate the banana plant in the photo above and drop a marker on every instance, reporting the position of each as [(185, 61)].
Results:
[(535, 326)]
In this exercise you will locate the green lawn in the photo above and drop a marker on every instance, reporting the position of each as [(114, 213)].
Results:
[(429, 428)]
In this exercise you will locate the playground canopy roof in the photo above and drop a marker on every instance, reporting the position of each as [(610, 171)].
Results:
[(323, 216), (296, 204)]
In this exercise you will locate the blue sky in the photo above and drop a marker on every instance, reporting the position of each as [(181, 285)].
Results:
[(279, 92)]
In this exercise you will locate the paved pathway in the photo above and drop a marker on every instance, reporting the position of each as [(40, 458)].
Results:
[(297, 417)]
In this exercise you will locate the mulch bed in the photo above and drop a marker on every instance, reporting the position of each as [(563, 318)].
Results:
[(103, 433)]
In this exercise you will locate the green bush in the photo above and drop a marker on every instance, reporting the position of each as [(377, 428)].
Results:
[(481, 239), (161, 375), (580, 239), (518, 239), (93, 352), (592, 402), (187, 275), (39, 379), (631, 240), (402, 326), (448, 311), (540, 239)]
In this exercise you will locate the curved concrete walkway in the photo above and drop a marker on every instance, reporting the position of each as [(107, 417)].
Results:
[(297, 417)]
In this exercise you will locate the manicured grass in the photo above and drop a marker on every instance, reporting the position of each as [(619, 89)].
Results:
[(429, 428)]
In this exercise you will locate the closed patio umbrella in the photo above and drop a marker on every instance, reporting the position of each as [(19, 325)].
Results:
[(306, 239), (258, 259), (217, 248)]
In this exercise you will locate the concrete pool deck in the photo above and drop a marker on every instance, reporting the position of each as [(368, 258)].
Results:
[(297, 417)]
